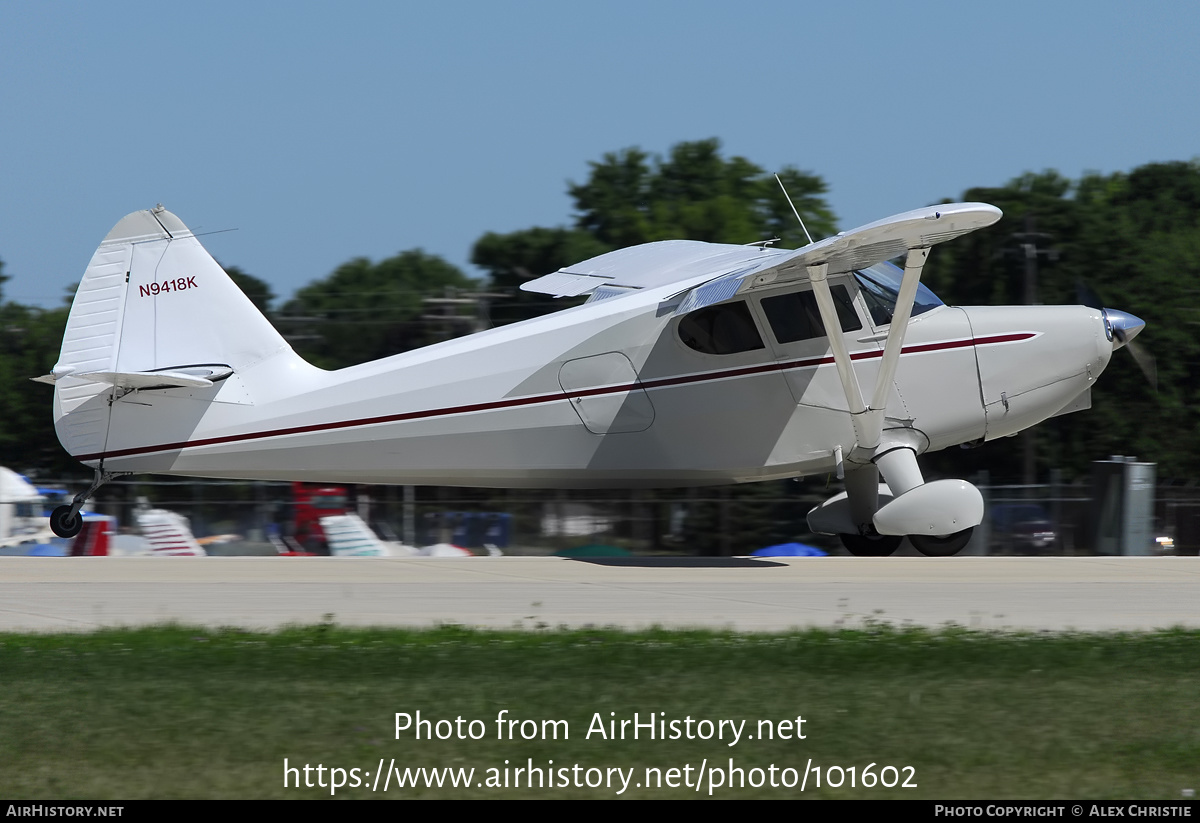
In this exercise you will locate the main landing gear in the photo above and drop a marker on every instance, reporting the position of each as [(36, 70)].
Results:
[(883, 545), (65, 521), (872, 519), (875, 545), (941, 546)]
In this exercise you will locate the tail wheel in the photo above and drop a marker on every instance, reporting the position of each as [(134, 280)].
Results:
[(875, 545), (941, 546), (64, 522)]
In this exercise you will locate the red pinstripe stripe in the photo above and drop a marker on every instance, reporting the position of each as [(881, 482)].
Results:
[(532, 400)]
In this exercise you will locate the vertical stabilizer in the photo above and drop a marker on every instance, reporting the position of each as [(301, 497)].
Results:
[(169, 534), (349, 536), (152, 304)]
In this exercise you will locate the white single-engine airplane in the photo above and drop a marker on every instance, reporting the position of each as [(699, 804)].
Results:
[(690, 364)]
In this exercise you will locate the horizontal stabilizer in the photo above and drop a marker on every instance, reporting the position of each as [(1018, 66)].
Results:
[(146, 380), (192, 377)]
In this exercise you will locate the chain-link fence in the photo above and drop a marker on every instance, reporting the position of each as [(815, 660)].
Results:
[(1046, 519)]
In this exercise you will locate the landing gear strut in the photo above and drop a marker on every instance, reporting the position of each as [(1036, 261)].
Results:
[(872, 519), (65, 520)]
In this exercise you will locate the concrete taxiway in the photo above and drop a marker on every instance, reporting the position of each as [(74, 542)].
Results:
[(1078, 593)]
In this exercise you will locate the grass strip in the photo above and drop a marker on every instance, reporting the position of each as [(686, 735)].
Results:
[(178, 712)]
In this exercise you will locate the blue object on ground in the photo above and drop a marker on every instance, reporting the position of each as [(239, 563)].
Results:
[(789, 550)]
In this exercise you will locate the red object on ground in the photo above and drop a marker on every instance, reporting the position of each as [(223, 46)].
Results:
[(310, 504), (92, 540)]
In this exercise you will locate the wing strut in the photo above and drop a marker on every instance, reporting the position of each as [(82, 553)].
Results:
[(868, 420), (817, 274)]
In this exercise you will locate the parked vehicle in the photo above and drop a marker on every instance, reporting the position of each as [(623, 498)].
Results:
[(309, 505), (20, 511), (1022, 528)]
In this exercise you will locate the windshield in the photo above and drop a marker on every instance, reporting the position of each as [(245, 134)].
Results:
[(880, 285)]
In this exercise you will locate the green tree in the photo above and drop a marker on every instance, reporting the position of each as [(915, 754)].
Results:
[(514, 258), (30, 339), (630, 197), (1141, 233), (365, 311), (987, 267), (695, 194), (1134, 240)]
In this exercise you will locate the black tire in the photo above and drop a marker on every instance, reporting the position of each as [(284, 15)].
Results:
[(941, 546), (64, 523), (877, 545)]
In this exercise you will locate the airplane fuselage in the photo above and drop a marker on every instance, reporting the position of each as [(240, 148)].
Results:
[(609, 394), (691, 364)]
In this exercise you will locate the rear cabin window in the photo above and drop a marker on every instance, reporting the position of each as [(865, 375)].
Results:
[(727, 328), (796, 317)]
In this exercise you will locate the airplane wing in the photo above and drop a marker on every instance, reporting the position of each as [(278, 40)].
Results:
[(909, 234), (851, 250), (724, 270), (650, 265)]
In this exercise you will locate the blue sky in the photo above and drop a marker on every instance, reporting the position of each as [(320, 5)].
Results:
[(323, 132)]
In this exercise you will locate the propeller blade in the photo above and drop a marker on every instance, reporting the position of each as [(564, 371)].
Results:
[(1125, 327), (1086, 296), (1145, 362)]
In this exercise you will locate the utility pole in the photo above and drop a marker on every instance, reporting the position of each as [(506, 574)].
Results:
[(1029, 248), (452, 322)]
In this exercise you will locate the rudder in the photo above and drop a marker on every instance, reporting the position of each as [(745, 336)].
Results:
[(153, 309)]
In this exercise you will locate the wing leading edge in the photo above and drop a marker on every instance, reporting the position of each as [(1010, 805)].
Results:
[(724, 270), (651, 265), (859, 248)]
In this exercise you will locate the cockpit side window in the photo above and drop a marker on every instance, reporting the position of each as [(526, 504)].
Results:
[(880, 286), (727, 328), (796, 316)]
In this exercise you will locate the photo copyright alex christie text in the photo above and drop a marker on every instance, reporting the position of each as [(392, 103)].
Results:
[(1025, 810), (387, 775)]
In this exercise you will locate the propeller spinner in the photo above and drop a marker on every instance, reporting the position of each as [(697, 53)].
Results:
[(1121, 328)]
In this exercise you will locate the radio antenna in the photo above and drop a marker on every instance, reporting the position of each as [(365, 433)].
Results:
[(794, 211)]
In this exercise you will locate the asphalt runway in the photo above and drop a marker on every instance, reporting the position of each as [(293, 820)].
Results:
[(1075, 593)]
